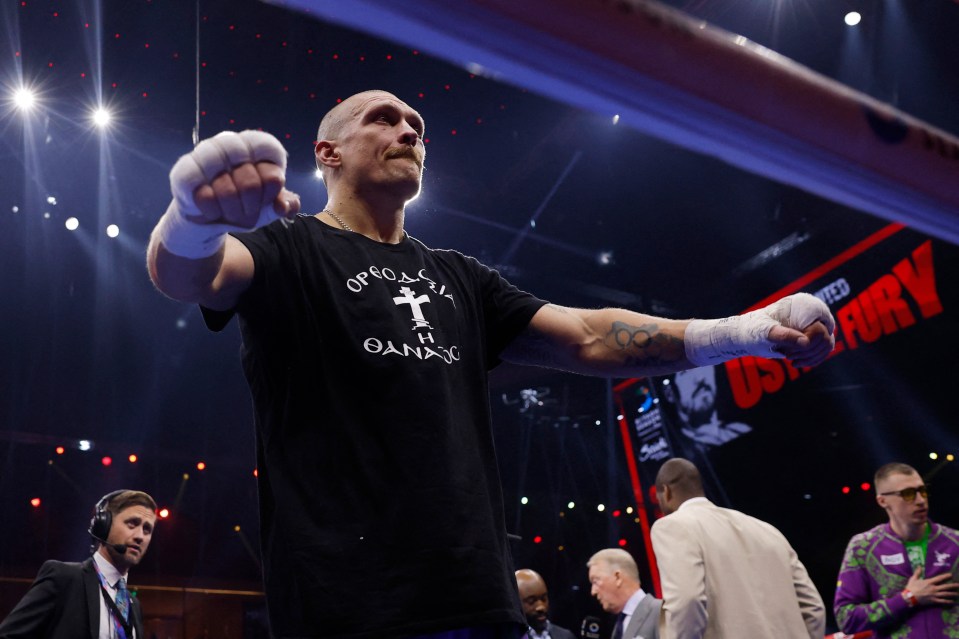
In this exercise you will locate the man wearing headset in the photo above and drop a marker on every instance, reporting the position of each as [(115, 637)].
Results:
[(90, 599)]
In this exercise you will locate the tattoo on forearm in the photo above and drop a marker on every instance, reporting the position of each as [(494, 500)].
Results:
[(643, 345)]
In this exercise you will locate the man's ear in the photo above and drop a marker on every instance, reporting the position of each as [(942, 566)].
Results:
[(326, 154)]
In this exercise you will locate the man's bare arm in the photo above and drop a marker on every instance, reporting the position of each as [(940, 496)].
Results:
[(622, 343)]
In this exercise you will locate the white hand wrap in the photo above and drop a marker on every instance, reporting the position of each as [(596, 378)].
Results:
[(181, 230), (715, 341)]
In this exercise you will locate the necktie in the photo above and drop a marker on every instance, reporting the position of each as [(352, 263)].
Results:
[(618, 630), (123, 599)]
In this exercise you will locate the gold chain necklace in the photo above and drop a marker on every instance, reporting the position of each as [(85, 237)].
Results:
[(339, 221)]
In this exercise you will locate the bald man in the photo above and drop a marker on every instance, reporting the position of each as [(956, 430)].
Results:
[(535, 600), (726, 574), (614, 581), (367, 355)]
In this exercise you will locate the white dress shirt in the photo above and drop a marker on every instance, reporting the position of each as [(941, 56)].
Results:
[(111, 575), (630, 607)]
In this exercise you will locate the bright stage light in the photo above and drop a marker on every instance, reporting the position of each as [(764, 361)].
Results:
[(35, 502), (24, 99), (524, 500), (616, 119), (113, 230), (601, 508), (853, 18), (51, 200), (101, 117), (318, 174), (571, 505), (84, 444), (72, 224)]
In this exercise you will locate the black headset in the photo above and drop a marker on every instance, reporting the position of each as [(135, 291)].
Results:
[(102, 518)]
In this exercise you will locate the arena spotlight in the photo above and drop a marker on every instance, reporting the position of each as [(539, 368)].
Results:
[(72, 223), (318, 174), (853, 18), (113, 230), (101, 117), (24, 99)]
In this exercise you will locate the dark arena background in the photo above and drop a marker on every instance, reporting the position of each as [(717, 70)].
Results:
[(105, 383)]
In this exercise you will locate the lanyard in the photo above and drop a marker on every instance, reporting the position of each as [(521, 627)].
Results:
[(123, 627)]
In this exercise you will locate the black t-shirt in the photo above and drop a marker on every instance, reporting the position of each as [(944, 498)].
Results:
[(380, 502)]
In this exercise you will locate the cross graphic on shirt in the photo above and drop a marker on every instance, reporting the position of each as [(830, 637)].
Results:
[(408, 297)]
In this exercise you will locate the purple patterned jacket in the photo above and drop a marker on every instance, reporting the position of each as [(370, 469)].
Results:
[(874, 572)]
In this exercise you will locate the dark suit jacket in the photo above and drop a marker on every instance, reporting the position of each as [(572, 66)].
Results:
[(558, 632), (62, 603)]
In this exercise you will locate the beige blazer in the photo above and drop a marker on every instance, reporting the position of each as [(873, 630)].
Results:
[(726, 574)]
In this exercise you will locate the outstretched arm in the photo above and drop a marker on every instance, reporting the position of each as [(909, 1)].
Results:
[(621, 343), (231, 182)]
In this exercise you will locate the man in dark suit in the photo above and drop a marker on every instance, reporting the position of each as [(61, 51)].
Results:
[(535, 599), (90, 599), (614, 581)]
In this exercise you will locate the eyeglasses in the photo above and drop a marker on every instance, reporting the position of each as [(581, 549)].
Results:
[(909, 494)]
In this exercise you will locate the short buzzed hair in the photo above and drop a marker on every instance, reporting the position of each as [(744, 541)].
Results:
[(616, 559), (334, 120), (682, 476), (893, 468)]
